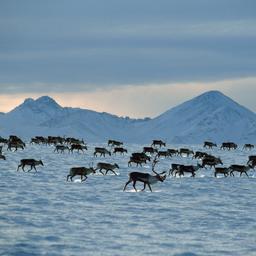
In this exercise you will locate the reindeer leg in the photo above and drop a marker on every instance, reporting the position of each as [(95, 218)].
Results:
[(149, 187), (246, 174), (144, 186), (129, 181), (101, 171), (113, 172), (19, 167), (68, 176), (134, 183)]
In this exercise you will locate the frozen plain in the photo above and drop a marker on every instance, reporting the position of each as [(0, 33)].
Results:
[(42, 214)]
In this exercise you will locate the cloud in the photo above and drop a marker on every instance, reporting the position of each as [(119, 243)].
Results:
[(115, 43), (143, 100)]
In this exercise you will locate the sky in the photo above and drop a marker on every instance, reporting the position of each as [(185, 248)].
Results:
[(132, 58)]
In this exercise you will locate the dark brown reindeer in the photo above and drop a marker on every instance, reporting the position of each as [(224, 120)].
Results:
[(82, 171), (145, 178), (252, 163), (221, 170), (251, 158), (108, 167), (3, 140), (239, 168), (119, 150), (174, 167), (159, 143), (163, 154), (71, 140), (2, 157), (228, 145), (173, 152), (136, 160), (188, 168), (211, 161), (142, 156), (150, 150), (14, 145), (248, 147), (77, 147), (208, 144), (31, 162), (101, 151), (186, 151), (61, 148), (115, 143), (200, 155)]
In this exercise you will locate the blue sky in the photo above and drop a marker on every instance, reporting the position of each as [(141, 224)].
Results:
[(85, 47)]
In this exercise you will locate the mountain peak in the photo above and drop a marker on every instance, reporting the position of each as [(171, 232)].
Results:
[(47, 100), (212, 96)]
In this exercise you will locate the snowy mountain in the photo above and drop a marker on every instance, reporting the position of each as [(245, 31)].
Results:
[(45, 117), (210, 116)]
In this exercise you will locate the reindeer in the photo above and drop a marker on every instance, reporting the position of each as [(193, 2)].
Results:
[(252, 163), (120, 150), (2, 157), (228, 145), (186, 151), (101, 151), (145, 178), (158, 143), (77, 147), (209, 144), (115, 143), (251, 158), (61, 148), (188, 168), (3, 140), (173, 152), (200, 155), (248, 146), (82, 171), (239, 168), (142, 156), (150, 150), (136, 160), (15, 139), (31, 162), (71, 141), (15, 145), (221, 170), (174, 167), (163, 153), (108, 167), (211, 161)]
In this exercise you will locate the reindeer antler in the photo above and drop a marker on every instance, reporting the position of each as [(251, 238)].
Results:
[(155, 161)]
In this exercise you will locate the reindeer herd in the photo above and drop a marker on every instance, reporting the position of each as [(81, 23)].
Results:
[(149, 154)]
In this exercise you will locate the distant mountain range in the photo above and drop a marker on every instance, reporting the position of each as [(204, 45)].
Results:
[(210, 116)]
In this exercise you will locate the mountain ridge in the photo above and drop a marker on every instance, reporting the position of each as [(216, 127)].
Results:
[(209, 116)]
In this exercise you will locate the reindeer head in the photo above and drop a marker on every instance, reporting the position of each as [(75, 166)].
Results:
[(161, 177), (92, 170), (41, 162), (116, 165), (219, 160)]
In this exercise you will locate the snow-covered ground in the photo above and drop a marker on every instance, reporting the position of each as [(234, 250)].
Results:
[(42, 214)]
